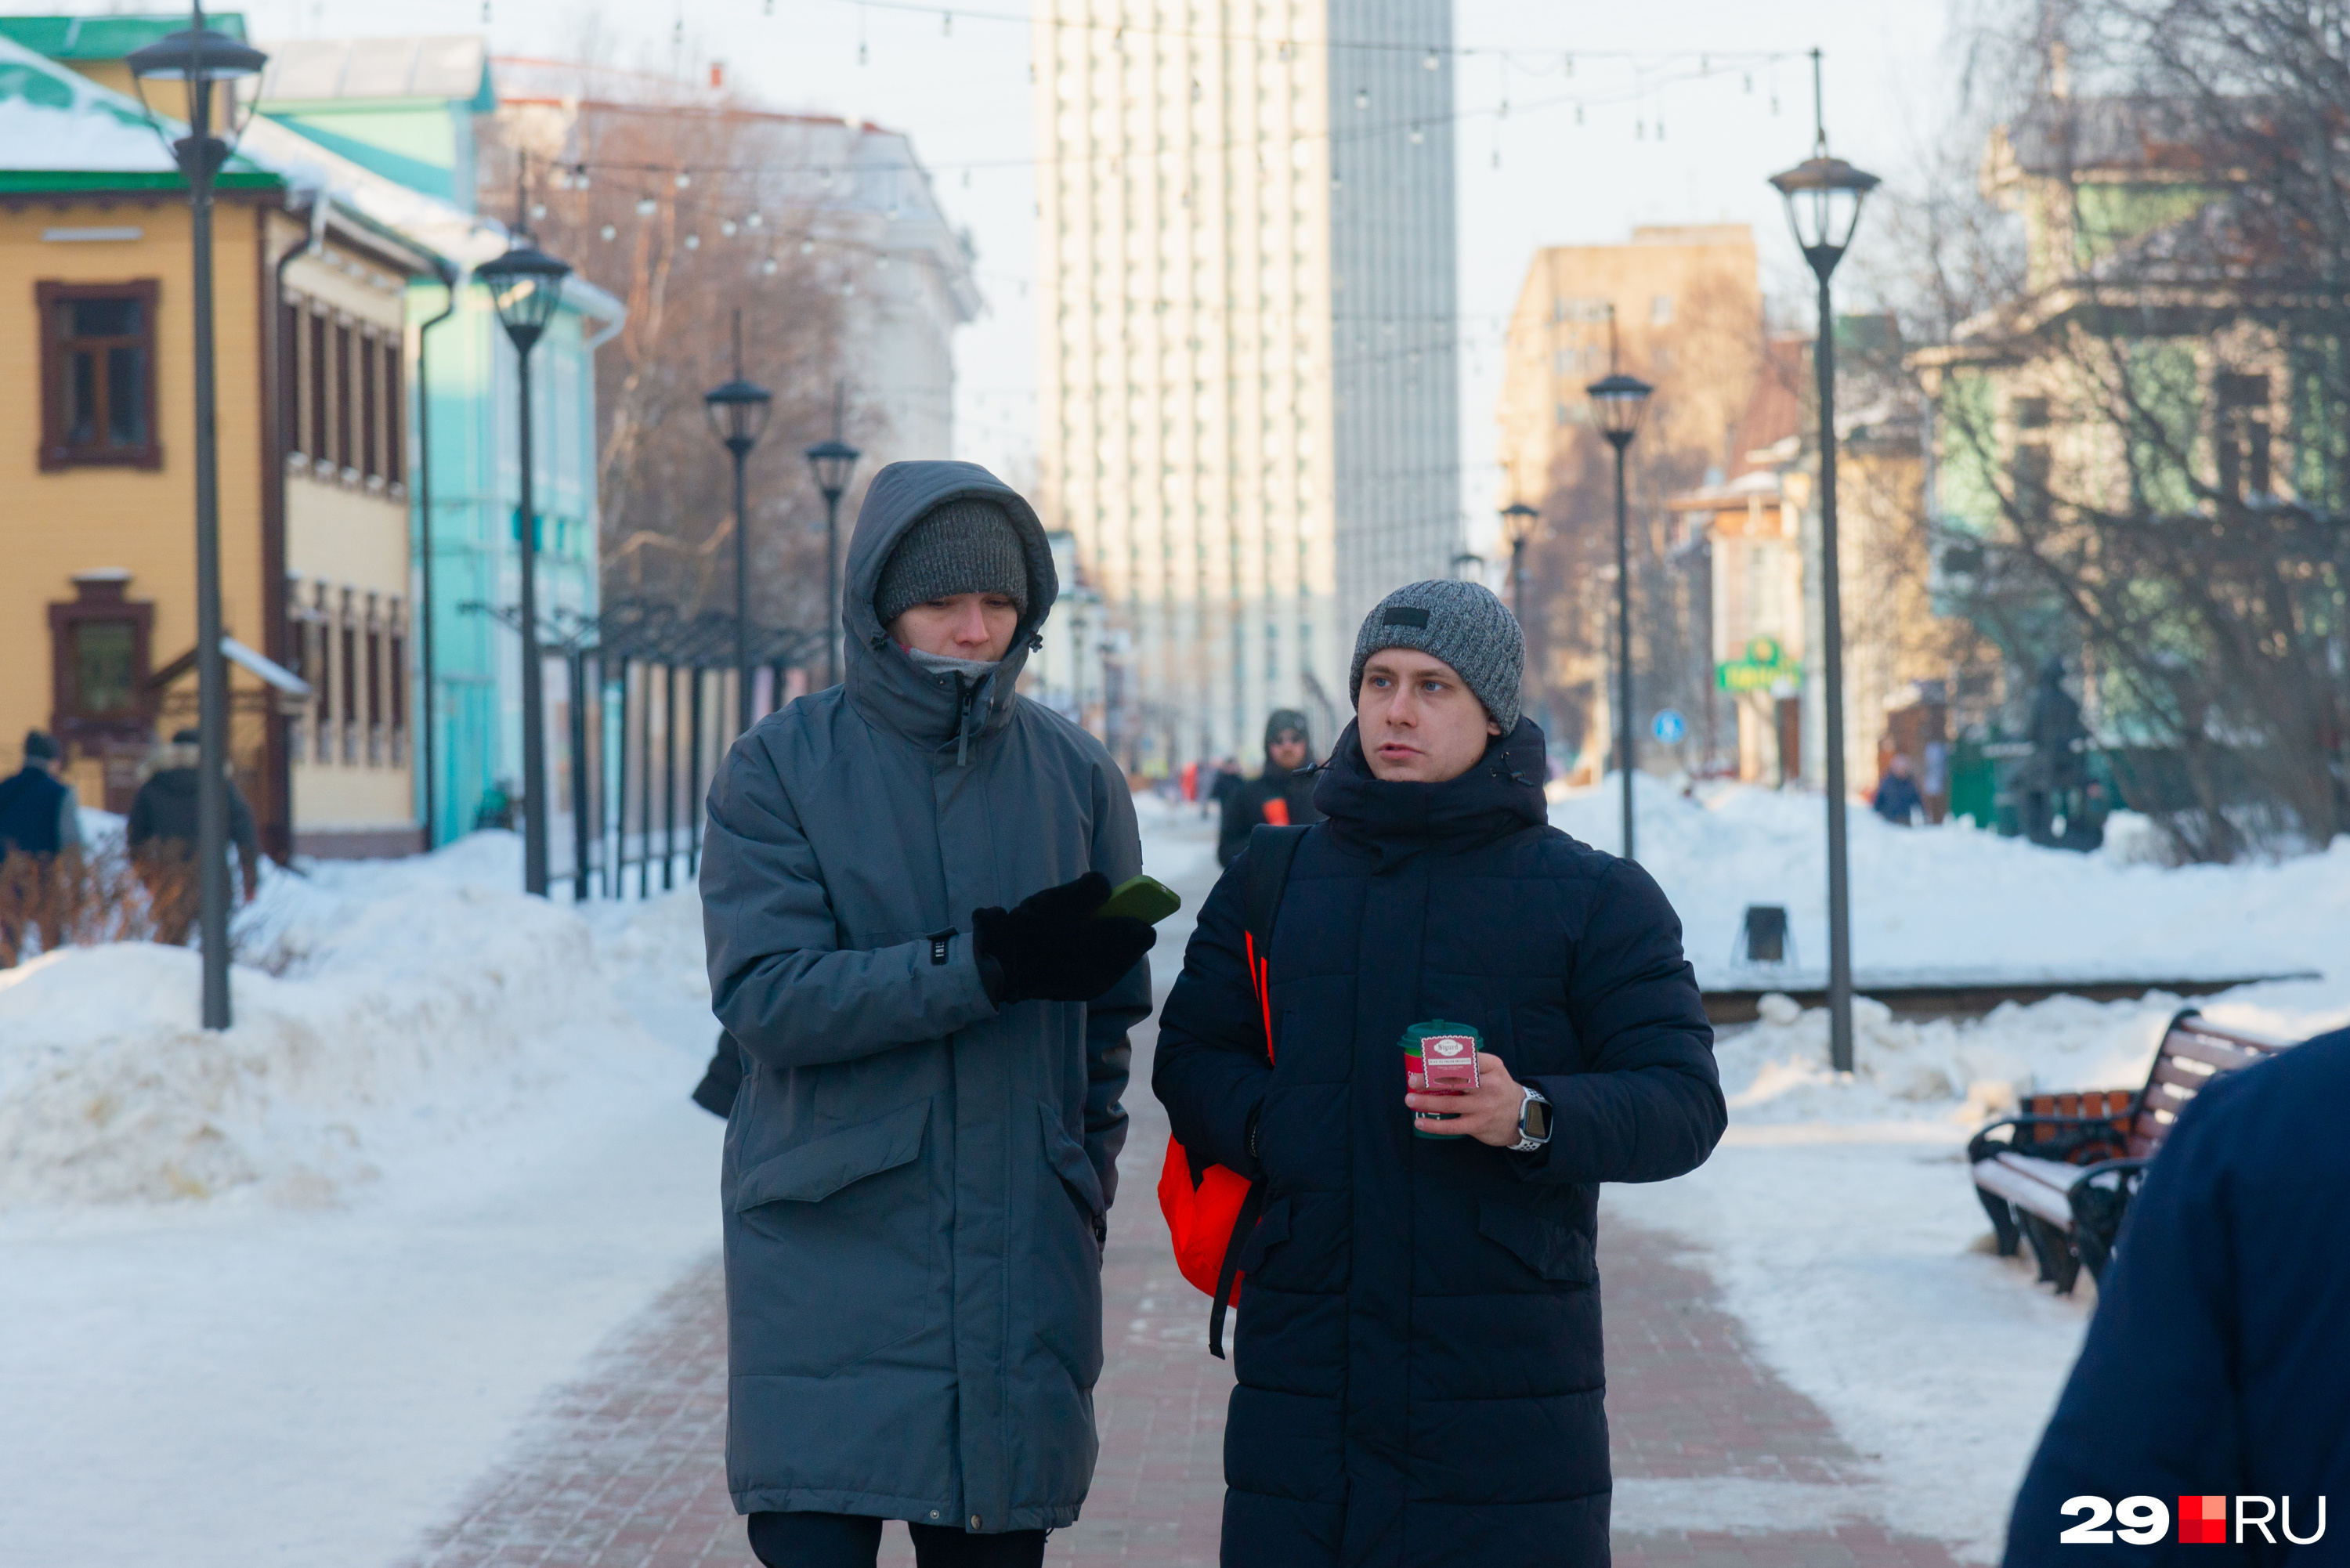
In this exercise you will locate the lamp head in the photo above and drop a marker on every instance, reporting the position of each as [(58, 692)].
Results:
[(738, 413), (1518, 520), (1620, 401), (198, 59), (832, 463), (1823, 196), (527, 284)]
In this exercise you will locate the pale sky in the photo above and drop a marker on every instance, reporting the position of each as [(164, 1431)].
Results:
[(1677, 126)]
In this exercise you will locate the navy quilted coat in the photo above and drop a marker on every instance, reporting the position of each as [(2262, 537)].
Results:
[(1418, 1349)]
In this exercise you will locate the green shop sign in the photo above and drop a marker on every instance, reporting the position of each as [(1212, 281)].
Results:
[(1764, 664)]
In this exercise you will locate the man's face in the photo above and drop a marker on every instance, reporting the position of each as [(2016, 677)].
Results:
[(961, 626), (1287, 751), (1418, 721)]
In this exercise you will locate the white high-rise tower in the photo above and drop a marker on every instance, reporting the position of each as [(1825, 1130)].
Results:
[(1246, 251)]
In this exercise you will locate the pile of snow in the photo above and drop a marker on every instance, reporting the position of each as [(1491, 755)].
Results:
[(1954, 903), (1962, 1070), (400, 1003)]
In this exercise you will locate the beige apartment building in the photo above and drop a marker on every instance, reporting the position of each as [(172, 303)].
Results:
[(1248, 392), (1681, 307)]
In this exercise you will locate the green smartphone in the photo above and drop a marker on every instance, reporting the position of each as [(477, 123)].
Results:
[(1145, 899)]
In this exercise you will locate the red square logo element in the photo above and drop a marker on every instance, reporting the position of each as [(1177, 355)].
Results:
[(2203, 1521)]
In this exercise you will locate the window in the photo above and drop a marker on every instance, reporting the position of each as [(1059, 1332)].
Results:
[(2031, 413), (98, 655), (1660, 310), (314, 439), (369, 456), (343, 449), (97, 375)]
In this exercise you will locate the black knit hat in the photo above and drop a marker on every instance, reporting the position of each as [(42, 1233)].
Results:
[(38, 747), (1282, 720), (962, 547)]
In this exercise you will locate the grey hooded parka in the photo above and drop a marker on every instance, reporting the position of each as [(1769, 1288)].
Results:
[(912, 1177)]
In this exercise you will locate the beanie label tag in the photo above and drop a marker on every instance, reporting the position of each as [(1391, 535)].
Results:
[(1403, 615)]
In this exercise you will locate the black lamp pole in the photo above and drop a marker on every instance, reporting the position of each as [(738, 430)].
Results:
[(1823, 196), (204, 59), (738, 412), (527, 283), (1518, 521), (1621, 401), (832, 462)]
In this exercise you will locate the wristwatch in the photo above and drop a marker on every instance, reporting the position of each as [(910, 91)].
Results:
[(1533, 1122)]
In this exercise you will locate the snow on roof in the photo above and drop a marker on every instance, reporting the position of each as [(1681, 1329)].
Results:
[(452, 66), (54, 121), (450, 233)]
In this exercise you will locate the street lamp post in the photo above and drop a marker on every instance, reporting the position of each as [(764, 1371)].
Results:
[(527, 283), (738, 413), (1518, 521), (204, 59), (1823, 196), (1621, 400), (832, 462)]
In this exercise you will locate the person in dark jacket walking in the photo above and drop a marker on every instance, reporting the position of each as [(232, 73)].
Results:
[(899, 886), (161, 836), (1896, 799), (1283, 795), (39, 820), (1419, 1357), (2215, 1366)]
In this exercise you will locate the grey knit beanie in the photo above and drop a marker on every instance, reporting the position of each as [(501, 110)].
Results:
[(966, 546), (1460, 623)]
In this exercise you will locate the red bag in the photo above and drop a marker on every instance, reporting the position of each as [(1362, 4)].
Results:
[(1210, 1211)]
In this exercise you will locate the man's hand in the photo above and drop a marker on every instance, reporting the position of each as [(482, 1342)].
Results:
[(1488, 1113)]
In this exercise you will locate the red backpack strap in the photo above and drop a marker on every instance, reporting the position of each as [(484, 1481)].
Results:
[(1264, 877), (1265, 873)]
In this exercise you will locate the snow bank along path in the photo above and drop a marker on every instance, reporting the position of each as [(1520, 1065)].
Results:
[(1952, 900), (299, 1283), (414, 1001)]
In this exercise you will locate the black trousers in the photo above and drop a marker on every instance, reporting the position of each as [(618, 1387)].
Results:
[(852, 1541)]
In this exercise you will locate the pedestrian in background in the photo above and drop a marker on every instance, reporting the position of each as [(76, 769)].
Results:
[(2215, 1364), (39, 820), (1896, 799), (1283, 795), (899, 887), (1419, 1360), (161, 837)]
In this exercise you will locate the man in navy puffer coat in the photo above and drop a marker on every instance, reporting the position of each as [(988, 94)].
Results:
[(1419, 1351)]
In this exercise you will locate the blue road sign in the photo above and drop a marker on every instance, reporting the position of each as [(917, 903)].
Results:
[(1668, 726)]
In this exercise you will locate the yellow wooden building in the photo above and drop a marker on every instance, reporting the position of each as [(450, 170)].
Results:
[(97, 479)]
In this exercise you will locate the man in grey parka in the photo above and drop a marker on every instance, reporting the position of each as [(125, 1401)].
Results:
[(899, 889)]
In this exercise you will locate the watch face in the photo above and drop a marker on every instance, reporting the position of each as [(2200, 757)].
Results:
[(1536, 1120)]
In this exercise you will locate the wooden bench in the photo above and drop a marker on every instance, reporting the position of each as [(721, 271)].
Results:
[(2061, 1173)]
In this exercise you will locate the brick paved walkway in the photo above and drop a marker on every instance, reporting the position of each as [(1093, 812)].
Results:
[(1718, 1463)]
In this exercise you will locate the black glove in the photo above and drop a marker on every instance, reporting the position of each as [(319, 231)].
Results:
[(1049, 947)]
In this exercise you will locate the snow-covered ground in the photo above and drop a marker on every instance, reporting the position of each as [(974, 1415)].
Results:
[(297, 1284), (1838, 1215)]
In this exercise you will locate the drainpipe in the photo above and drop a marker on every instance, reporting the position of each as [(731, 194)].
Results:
[(281, 425), (428, 751)]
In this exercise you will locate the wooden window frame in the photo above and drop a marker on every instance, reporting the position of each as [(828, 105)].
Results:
[(315, 379), (371, 464), (289, 361), (395, 454), (101, 601), (342, 398), (54, 454)]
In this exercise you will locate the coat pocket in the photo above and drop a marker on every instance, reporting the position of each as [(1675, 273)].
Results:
[(1070, 1162), (1272, 1230), (834, 1254), (1064, 1278), (814, 1171), (1551, 1247)]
